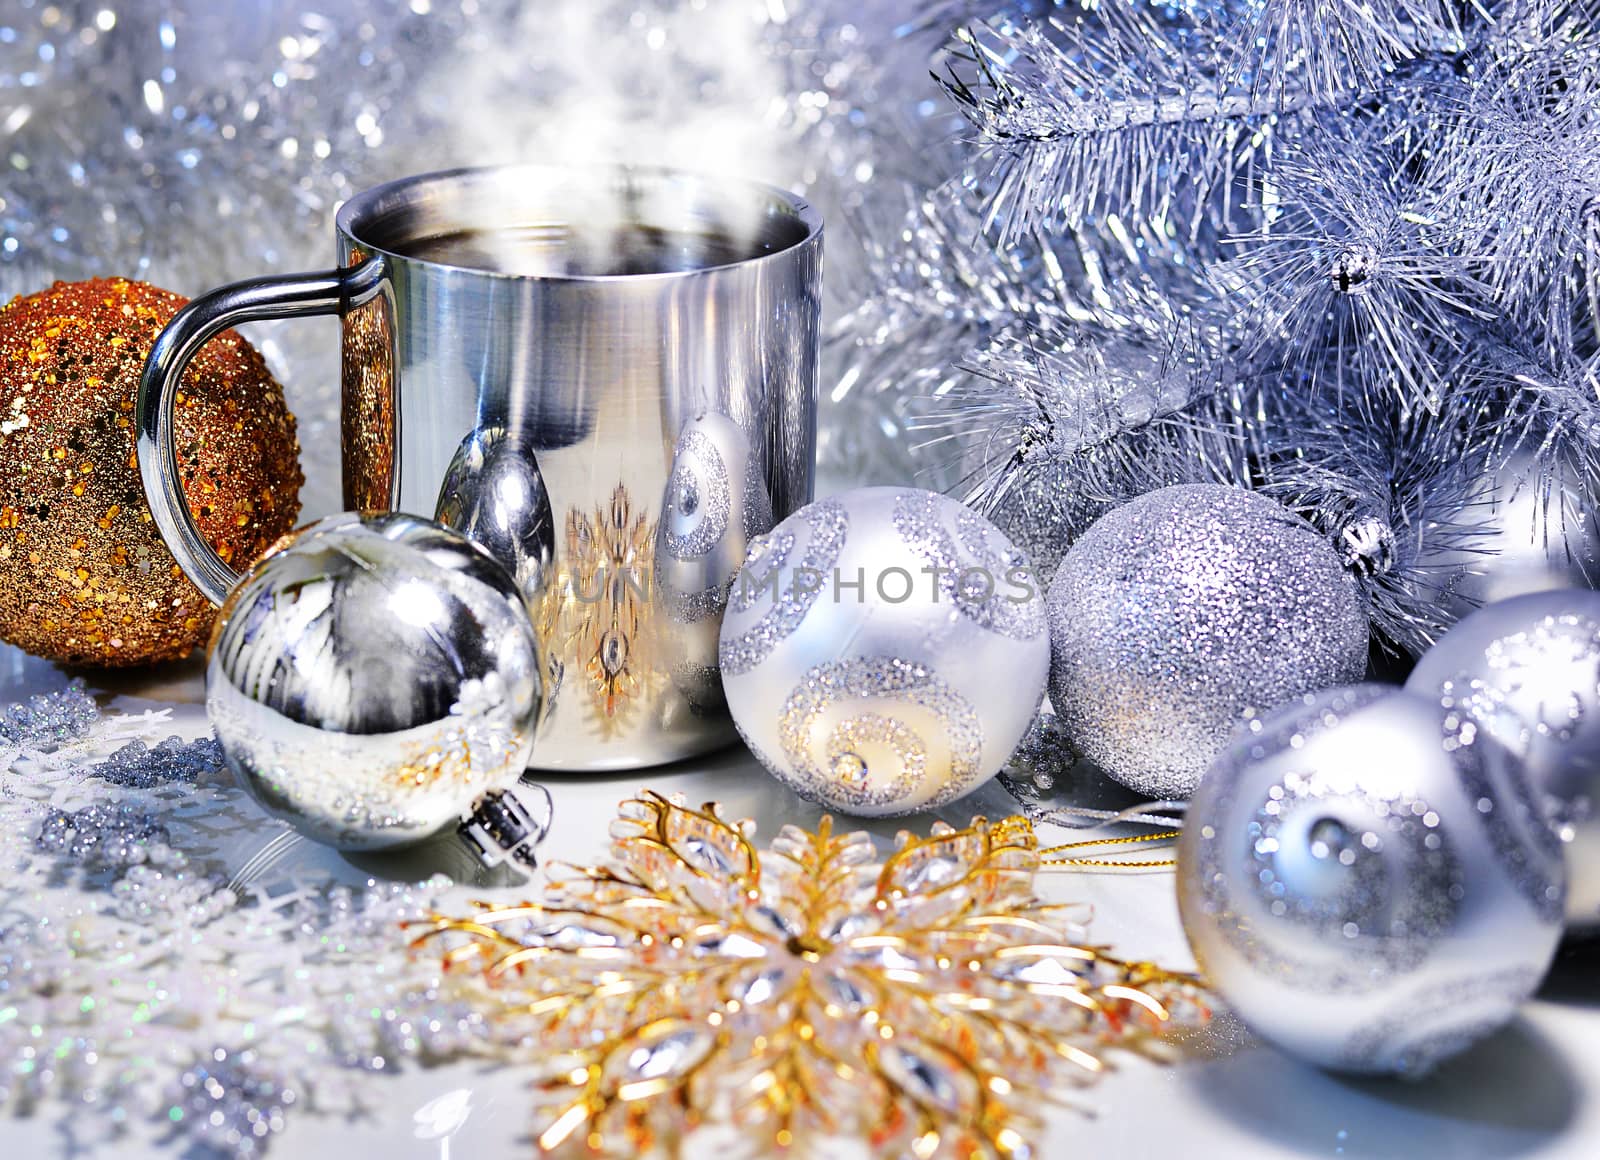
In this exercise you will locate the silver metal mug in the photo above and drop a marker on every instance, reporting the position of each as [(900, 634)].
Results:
[(607, 378)]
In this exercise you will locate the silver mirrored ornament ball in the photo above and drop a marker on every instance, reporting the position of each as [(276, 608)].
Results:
[(1366, 880), (884, 650), (1528, 670), (1179, 613), (373, 679)]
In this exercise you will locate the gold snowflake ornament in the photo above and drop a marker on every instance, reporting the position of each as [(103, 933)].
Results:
[(928, 1004)]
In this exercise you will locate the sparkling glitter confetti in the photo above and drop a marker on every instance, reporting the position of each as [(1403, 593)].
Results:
[(232, 1103), (105, 836), (138, 766), (47, 719), (100, 901)]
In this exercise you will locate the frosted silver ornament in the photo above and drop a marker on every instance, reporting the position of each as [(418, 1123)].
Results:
[(883, 650), (1534, 530), (1365, 879), (1528, 671), (1180, 612), (374, 680)]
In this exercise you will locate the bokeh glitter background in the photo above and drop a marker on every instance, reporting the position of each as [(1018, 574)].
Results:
[(194, 143)]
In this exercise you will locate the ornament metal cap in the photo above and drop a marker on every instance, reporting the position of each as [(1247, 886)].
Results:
[(504, 828)]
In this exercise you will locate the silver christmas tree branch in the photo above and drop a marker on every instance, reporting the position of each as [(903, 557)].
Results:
[(1135, 109), (1331, 47), (1517, 169), (1041, 399), (1352, 272), (1368, 229), (1392, 487), (929, 288)]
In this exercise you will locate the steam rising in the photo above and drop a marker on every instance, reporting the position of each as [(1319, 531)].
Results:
[(691, 85)]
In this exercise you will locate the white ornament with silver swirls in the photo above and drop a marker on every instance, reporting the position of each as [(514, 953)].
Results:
[(884, 650), (1527, 670), (1366, 880), (1533, 530)]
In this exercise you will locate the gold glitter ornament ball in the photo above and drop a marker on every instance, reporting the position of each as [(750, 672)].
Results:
[(84, 575)]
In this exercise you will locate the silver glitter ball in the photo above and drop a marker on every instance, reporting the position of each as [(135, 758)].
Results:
[(884, 650), (372, 679), (1366, 880), (1528, 671), (1180, 614)]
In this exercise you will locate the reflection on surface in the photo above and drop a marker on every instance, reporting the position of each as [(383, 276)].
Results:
[(714, 504), (701, 365), (597, 616), (366, 414), (1512, 1094), (442, 1116)]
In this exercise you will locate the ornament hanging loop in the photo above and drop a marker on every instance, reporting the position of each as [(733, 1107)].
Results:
[(506, 826), (283, 296)]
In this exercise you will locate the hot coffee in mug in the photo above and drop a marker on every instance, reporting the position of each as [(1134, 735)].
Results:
[(607, 378)]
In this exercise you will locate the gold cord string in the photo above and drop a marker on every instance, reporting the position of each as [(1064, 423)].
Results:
[(1111, 862)]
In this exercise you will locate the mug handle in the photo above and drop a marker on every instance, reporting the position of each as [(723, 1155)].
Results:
[(279, 296)]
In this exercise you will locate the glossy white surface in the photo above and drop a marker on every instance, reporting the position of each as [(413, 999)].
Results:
[(1531, 1090)]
